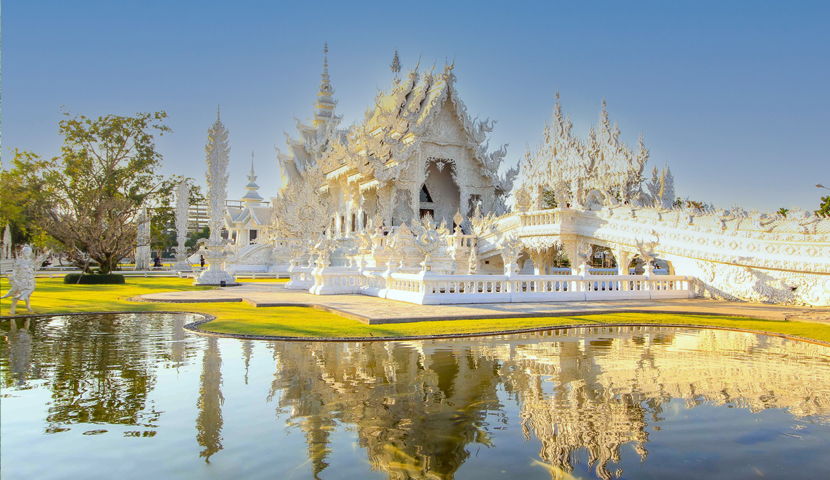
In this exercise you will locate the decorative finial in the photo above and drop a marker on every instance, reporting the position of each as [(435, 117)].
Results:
[(396, 64), (218, 108), (557, 95), (252, 162), (326, 54), (603, 103)]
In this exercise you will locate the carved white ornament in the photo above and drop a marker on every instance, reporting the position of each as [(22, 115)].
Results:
[(22, 278), (217, 155)]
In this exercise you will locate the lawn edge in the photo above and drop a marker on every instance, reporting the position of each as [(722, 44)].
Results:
[(195, 327)]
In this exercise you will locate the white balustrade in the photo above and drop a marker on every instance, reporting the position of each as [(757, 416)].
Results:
[(300, 278), (429, 288)]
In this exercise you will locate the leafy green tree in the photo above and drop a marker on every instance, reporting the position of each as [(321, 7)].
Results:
[(783, 212), (163, 227), (824, 208), (14, 200), (195, 236), (88, 197)]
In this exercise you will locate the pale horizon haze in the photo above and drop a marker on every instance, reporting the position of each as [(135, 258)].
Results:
[(732, 95)]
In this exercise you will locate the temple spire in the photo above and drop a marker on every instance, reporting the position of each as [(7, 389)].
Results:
[(252, 196), (396, 65), (324, 107)]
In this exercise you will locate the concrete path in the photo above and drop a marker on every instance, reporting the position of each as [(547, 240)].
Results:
[(373, 310)]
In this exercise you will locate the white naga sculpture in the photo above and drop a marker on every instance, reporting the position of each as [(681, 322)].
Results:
[(22, 278), (217, 151), (182, 204)]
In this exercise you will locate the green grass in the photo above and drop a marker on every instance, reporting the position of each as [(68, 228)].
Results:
[(52, 296)]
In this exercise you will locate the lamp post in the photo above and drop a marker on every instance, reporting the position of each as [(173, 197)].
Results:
[(818, 185)]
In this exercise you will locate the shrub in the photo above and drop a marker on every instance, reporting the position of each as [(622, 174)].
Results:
[(94, 279)]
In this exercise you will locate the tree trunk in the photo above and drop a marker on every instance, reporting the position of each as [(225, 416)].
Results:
[(105, 264)]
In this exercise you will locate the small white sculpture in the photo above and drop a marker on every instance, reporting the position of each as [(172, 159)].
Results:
[(7, 244), (22, 278), (428, 240), (511, 247)]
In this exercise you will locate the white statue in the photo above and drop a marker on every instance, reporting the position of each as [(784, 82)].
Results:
[(22, 278), (6, 254), (511, 247), (428, 240)]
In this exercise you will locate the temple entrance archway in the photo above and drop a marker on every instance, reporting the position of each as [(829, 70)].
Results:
[(439, 195)]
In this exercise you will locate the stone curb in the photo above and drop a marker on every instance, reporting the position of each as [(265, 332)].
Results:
[(486, 316), (207, 317)]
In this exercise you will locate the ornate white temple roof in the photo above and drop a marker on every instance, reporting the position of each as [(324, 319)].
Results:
[(401, 118), (252, 196), (315, 137)]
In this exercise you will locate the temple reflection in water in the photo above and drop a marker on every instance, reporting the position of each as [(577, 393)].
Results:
[(419, 409), (417, 406)]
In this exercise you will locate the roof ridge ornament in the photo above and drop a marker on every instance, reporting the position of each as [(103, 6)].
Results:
[(396, 66)]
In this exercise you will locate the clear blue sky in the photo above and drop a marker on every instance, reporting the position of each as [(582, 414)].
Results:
[(733, 94)]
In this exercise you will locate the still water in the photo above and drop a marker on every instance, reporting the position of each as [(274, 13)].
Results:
[(137, 396)]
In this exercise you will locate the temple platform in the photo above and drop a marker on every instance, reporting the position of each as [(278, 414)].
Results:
[(373, 310)]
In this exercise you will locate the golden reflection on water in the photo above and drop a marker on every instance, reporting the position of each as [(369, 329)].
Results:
[(417, 406), (420, 409)]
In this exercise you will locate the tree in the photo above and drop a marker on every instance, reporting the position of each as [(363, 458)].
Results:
[(88, 197), (824, 208), (783, 212), (162, 226), (195, 236)]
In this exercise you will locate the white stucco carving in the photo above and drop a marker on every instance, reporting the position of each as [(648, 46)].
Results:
[(22, 278), (217, 156), (6, 253)]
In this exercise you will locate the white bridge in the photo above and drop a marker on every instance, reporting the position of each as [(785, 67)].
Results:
[(720, 255)]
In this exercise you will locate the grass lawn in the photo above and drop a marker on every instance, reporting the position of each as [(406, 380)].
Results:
[(52, 296)]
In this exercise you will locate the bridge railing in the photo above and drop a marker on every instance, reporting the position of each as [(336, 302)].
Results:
[(430, 289), (542, 217)]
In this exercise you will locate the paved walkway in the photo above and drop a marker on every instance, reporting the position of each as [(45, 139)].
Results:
[(373, 310)]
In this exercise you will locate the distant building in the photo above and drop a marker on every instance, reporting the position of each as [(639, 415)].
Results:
[(197, 217), (246, 217)]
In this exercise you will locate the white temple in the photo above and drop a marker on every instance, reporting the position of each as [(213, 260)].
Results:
[(246, 221), (409, 204), (416, 153)]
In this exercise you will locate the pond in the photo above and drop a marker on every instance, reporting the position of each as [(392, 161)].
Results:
[(138, 396)]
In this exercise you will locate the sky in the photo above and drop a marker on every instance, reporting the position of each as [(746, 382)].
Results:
[(733, 96)]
